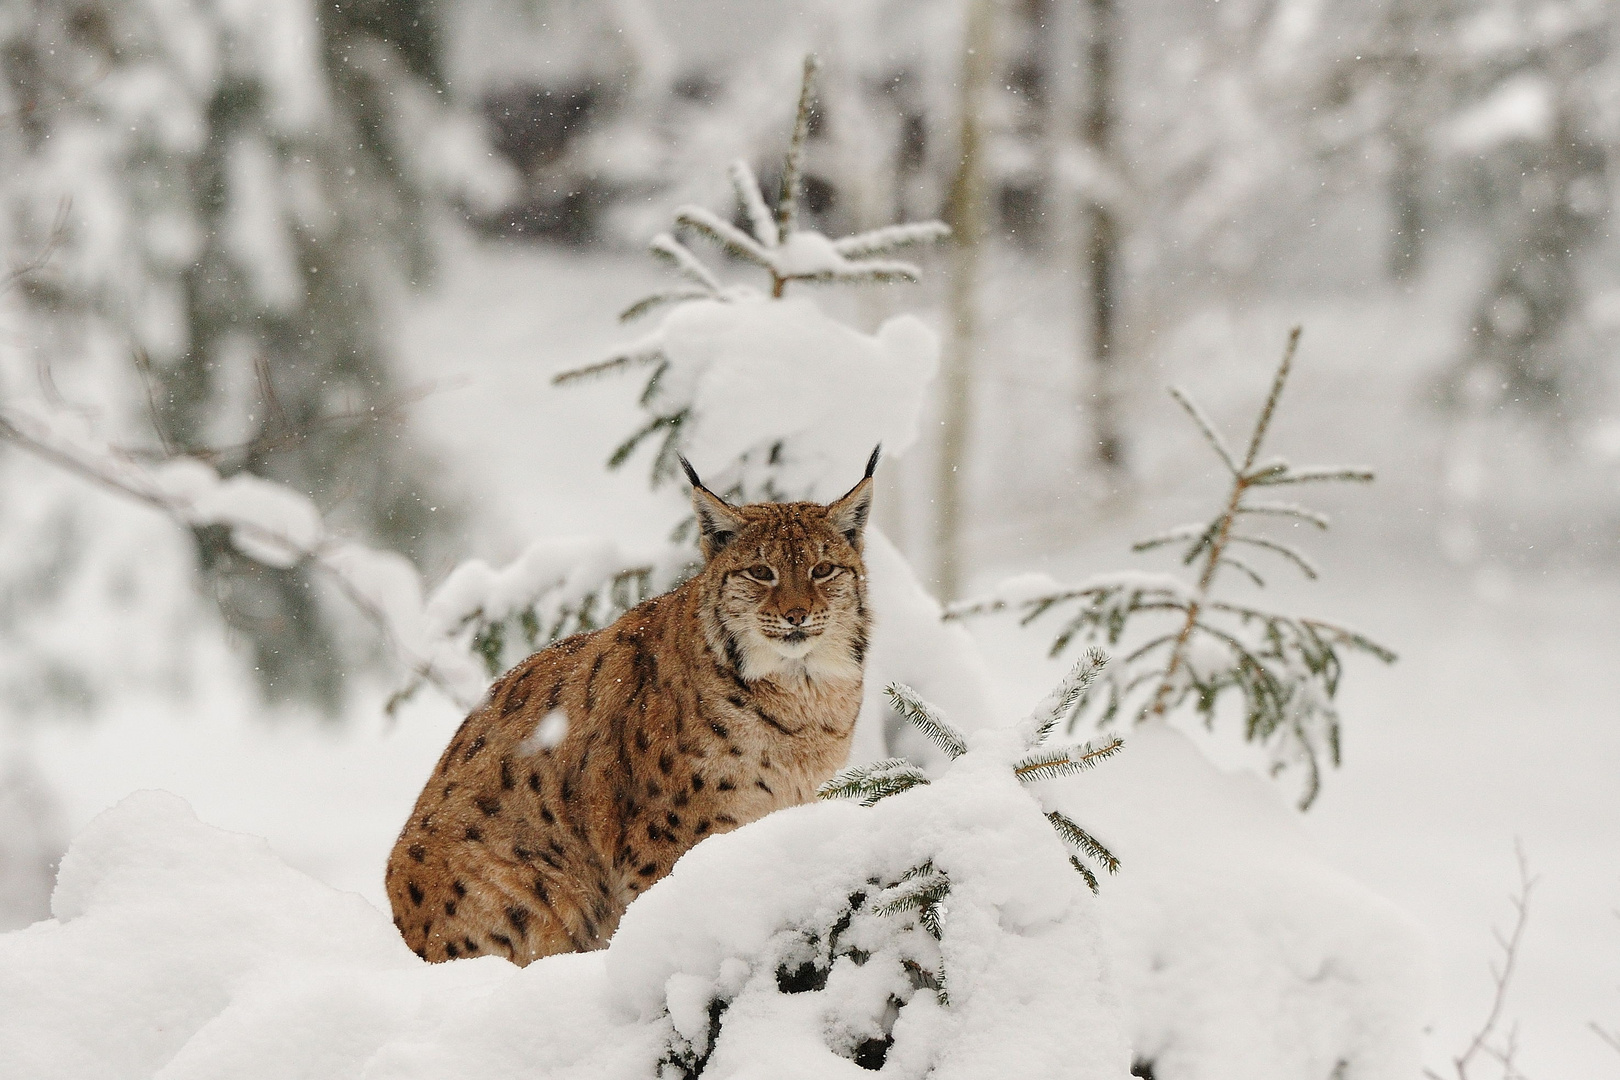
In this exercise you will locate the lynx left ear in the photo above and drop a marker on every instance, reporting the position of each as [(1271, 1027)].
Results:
[(848, 515), (717, 521)]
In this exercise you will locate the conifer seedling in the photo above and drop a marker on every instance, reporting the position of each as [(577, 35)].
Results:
[(774, 241), (1285, 670)]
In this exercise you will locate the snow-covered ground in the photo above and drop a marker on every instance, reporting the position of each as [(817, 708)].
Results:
[(1498, 722)]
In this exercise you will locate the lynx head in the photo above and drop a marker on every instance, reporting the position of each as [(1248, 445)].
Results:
[(787, 581)]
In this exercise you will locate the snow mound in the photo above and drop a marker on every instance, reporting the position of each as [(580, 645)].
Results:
[(1236, 951), (750, 374), (179, 950)]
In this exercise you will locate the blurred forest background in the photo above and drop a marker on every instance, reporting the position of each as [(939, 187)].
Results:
[(346, 245)]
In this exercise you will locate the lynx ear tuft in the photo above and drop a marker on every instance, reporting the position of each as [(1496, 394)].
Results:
[(691, 473), (848, 515), (718, 522)]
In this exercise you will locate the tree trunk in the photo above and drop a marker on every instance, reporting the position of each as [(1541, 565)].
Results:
[(965, 212), (1100, 245)]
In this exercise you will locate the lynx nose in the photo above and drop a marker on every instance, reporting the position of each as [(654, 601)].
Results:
[(796, 616)]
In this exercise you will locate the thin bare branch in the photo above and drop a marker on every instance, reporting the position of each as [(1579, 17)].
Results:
[(143, 367), (1485, 1041), (54, 239)]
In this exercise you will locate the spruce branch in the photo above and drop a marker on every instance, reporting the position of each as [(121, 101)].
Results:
[(1245, 569), (1306, 567), (1206, 429), (1314, 476), (1085, 872), (926, 718), (1075, 836), (891, 238), (873, 781), (1179, 535), (713, 227), (787, 206), (920, 887), (1048, 764), (672, 252), (1220, 532), (1291, 510), (635, 356), (648, 304), (760, 221), (777, 245), (1060, 702)]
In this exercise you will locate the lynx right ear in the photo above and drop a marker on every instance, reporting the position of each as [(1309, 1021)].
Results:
[(848, 515), (717, 521)]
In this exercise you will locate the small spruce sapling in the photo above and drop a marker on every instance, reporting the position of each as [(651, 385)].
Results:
[(925, 887), (604, 584), (1199, 646), (774, 242)]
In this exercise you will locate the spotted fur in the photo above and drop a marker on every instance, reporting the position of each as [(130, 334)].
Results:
[(693, 714)]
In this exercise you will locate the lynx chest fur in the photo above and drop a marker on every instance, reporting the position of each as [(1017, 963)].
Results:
[(596, 763)]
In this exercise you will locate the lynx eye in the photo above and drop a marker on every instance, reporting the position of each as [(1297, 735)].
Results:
[(822, 571), (761, 573)]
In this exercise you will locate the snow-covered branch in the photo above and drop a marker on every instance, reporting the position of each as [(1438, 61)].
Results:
[(454, 640)]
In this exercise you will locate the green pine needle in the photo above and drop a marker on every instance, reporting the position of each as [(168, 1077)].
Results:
[(1074, 835), (919, 888), (1046, 764), (1057, 705), (873, 781), (926, 718), (1085, 872)]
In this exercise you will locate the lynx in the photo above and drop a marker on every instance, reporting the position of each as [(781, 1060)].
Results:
[(596, 763)]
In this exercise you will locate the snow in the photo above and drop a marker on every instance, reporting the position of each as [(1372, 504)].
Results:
[(834, 392), (1224, 923), (180, 950), (269, 522), (548, 733), (1521, 109), (1440, 771)]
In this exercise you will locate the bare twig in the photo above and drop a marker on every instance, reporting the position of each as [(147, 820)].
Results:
[(281, 434), (1487, 1042), (1610, 1037), (37, 261), (143, 367)]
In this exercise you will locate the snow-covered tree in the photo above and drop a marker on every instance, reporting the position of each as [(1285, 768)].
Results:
[(229, 193)]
